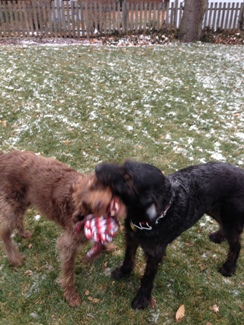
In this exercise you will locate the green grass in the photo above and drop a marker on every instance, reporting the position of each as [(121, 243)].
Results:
[(170, 106)]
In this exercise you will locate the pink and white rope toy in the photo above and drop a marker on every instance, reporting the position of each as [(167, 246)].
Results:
[(100, 230)]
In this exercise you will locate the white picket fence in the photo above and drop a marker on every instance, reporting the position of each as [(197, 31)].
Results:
[(87, 18)]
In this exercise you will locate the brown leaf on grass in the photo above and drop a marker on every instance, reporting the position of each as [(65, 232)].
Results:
[(110, 247), (241, 307), (87, 292), (3, 123), (208, 323), (215, 308), (153, 302), (121, 228), (180, 313), (28, 272), (93, 300)]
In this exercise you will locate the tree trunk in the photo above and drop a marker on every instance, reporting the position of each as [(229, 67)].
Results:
[(191, 23)]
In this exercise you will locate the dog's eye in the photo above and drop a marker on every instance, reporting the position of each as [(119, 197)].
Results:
[(93, 187)]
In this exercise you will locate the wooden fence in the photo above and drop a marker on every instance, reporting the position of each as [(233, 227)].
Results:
[(87, 18)]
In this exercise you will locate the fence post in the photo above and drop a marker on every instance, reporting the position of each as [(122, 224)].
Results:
[(124, 16), (241, 17)]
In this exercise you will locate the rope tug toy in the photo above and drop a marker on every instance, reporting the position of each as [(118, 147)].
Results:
[(100, 230)]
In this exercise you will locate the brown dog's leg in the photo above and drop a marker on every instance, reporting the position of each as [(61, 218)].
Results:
[(14, 257), (21, 231), (68, 246)]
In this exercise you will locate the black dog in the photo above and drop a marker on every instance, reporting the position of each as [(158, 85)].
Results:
[(160, 208)]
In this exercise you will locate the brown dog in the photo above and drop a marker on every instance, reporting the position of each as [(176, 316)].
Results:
[(58, 192)]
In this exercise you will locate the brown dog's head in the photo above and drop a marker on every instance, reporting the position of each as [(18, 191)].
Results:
[(89, 197)]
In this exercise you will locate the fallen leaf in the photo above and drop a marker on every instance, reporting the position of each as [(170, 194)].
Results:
[(180, 313), (87, 292), (93, 300), (29, 246), (3, 123), (28, 272), (208, 323), (215, 308), (153, 302), (110, 247), (241, 307)]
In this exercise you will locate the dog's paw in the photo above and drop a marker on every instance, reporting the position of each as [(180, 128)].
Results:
[(217, 237), (16, 260), (227, 269), (25, 234), (118, 273), (74, 300), (140, 302)]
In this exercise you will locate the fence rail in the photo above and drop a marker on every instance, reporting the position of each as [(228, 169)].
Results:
[(77, 18)]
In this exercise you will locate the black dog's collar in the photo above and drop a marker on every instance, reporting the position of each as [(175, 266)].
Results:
[(144, 225)]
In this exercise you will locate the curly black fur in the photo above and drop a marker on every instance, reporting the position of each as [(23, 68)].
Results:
[(184, 197)]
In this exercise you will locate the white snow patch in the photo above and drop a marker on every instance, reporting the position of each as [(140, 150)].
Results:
[(218, 156), (240, 135)]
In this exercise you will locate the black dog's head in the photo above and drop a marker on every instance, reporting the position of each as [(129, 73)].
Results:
[(141, 187)]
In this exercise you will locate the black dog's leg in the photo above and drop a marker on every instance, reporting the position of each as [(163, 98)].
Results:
[(217, 236), (143, 296), (233, 238), (129, 261)]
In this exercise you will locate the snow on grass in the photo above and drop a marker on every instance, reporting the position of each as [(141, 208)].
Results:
[(170, 105)]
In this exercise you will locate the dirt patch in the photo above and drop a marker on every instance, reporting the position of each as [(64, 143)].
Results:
[(228, 38)]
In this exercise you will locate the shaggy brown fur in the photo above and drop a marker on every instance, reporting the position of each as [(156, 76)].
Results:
[(58, 192)]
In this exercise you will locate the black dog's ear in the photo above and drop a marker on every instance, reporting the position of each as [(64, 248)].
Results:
[(126, 172), (110, 174), (127, 176), (128, 181)]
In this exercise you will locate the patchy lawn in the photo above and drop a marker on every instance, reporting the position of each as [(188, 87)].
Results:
[(171, 106)]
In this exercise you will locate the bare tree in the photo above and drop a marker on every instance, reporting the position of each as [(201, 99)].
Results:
[(191, 23)]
